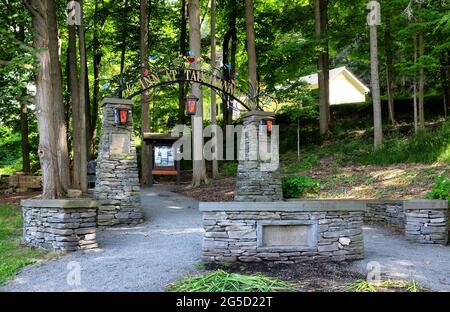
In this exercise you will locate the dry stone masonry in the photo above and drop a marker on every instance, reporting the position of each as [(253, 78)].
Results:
[(283, 232), (117, 181), (255, 179), (388, 213), (61, 225), (427, 221)]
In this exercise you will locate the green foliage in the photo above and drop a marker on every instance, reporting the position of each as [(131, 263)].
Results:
[(298, 186), (13, 256), (10, 151), (229, 169), (425, 147), (10, 145), (221, 281), (441, 190)]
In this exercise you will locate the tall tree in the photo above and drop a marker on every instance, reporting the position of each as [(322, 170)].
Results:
[(99, 21), (182, 45), (321, 22), (145, 97), (123, 46), (251, 49), (60, 121), (421, 48), (229, 58), (389, 67), (75, 101), (445, 70), (82, 105), (215, 165), (26, 166), (416, 118), (373, 21), (198, 162), (45, 109)]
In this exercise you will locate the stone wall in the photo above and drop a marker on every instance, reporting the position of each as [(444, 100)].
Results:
[(20, 182), (427, 221), (389, 213), (117, 180), (283, 232), (62, 225), (257, 179)]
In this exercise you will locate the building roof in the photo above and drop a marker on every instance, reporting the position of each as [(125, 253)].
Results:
[(313, 79)]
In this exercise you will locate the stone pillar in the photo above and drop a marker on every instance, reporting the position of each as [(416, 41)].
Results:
[(258, 179), (426, 221), (117, 183)]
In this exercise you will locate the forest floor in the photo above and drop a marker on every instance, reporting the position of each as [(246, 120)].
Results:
[(405, 181)]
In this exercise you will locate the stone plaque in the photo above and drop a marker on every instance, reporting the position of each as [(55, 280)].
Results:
[(290, 234), (120, 144)]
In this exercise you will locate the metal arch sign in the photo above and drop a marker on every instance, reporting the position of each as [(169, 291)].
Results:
[(154, 79)]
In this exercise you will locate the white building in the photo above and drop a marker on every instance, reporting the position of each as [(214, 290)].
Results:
[(345, 87)]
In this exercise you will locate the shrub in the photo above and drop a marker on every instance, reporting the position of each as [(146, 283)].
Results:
[(441, 190), (298, 186), (229, 169)]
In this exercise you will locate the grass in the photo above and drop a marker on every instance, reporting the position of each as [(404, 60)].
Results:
[(384, 286), (221, 281), (13, 256)]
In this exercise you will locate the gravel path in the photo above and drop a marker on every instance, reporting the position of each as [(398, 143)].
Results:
[(167, 247), (400, 259), (143, 258)]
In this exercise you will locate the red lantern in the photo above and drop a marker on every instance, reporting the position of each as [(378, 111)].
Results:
[(191, 105), (121, 115), (269, 124)]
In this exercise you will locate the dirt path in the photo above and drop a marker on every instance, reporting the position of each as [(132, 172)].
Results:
[(143, 258)]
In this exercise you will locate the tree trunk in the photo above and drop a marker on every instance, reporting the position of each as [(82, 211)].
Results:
[(229, 57), (97, 57), (321, 22), (251, 51), (58, 102), (24, 134), (82, 105), (445, 82), (421, 83), (198, 162), (377, 123), (75, 100), (389, 69), (215, 165), (181, 91), (26, 167), (325, 55), (145, 98), (416, 126), (124, 44), (45, 110), (226, 76)]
